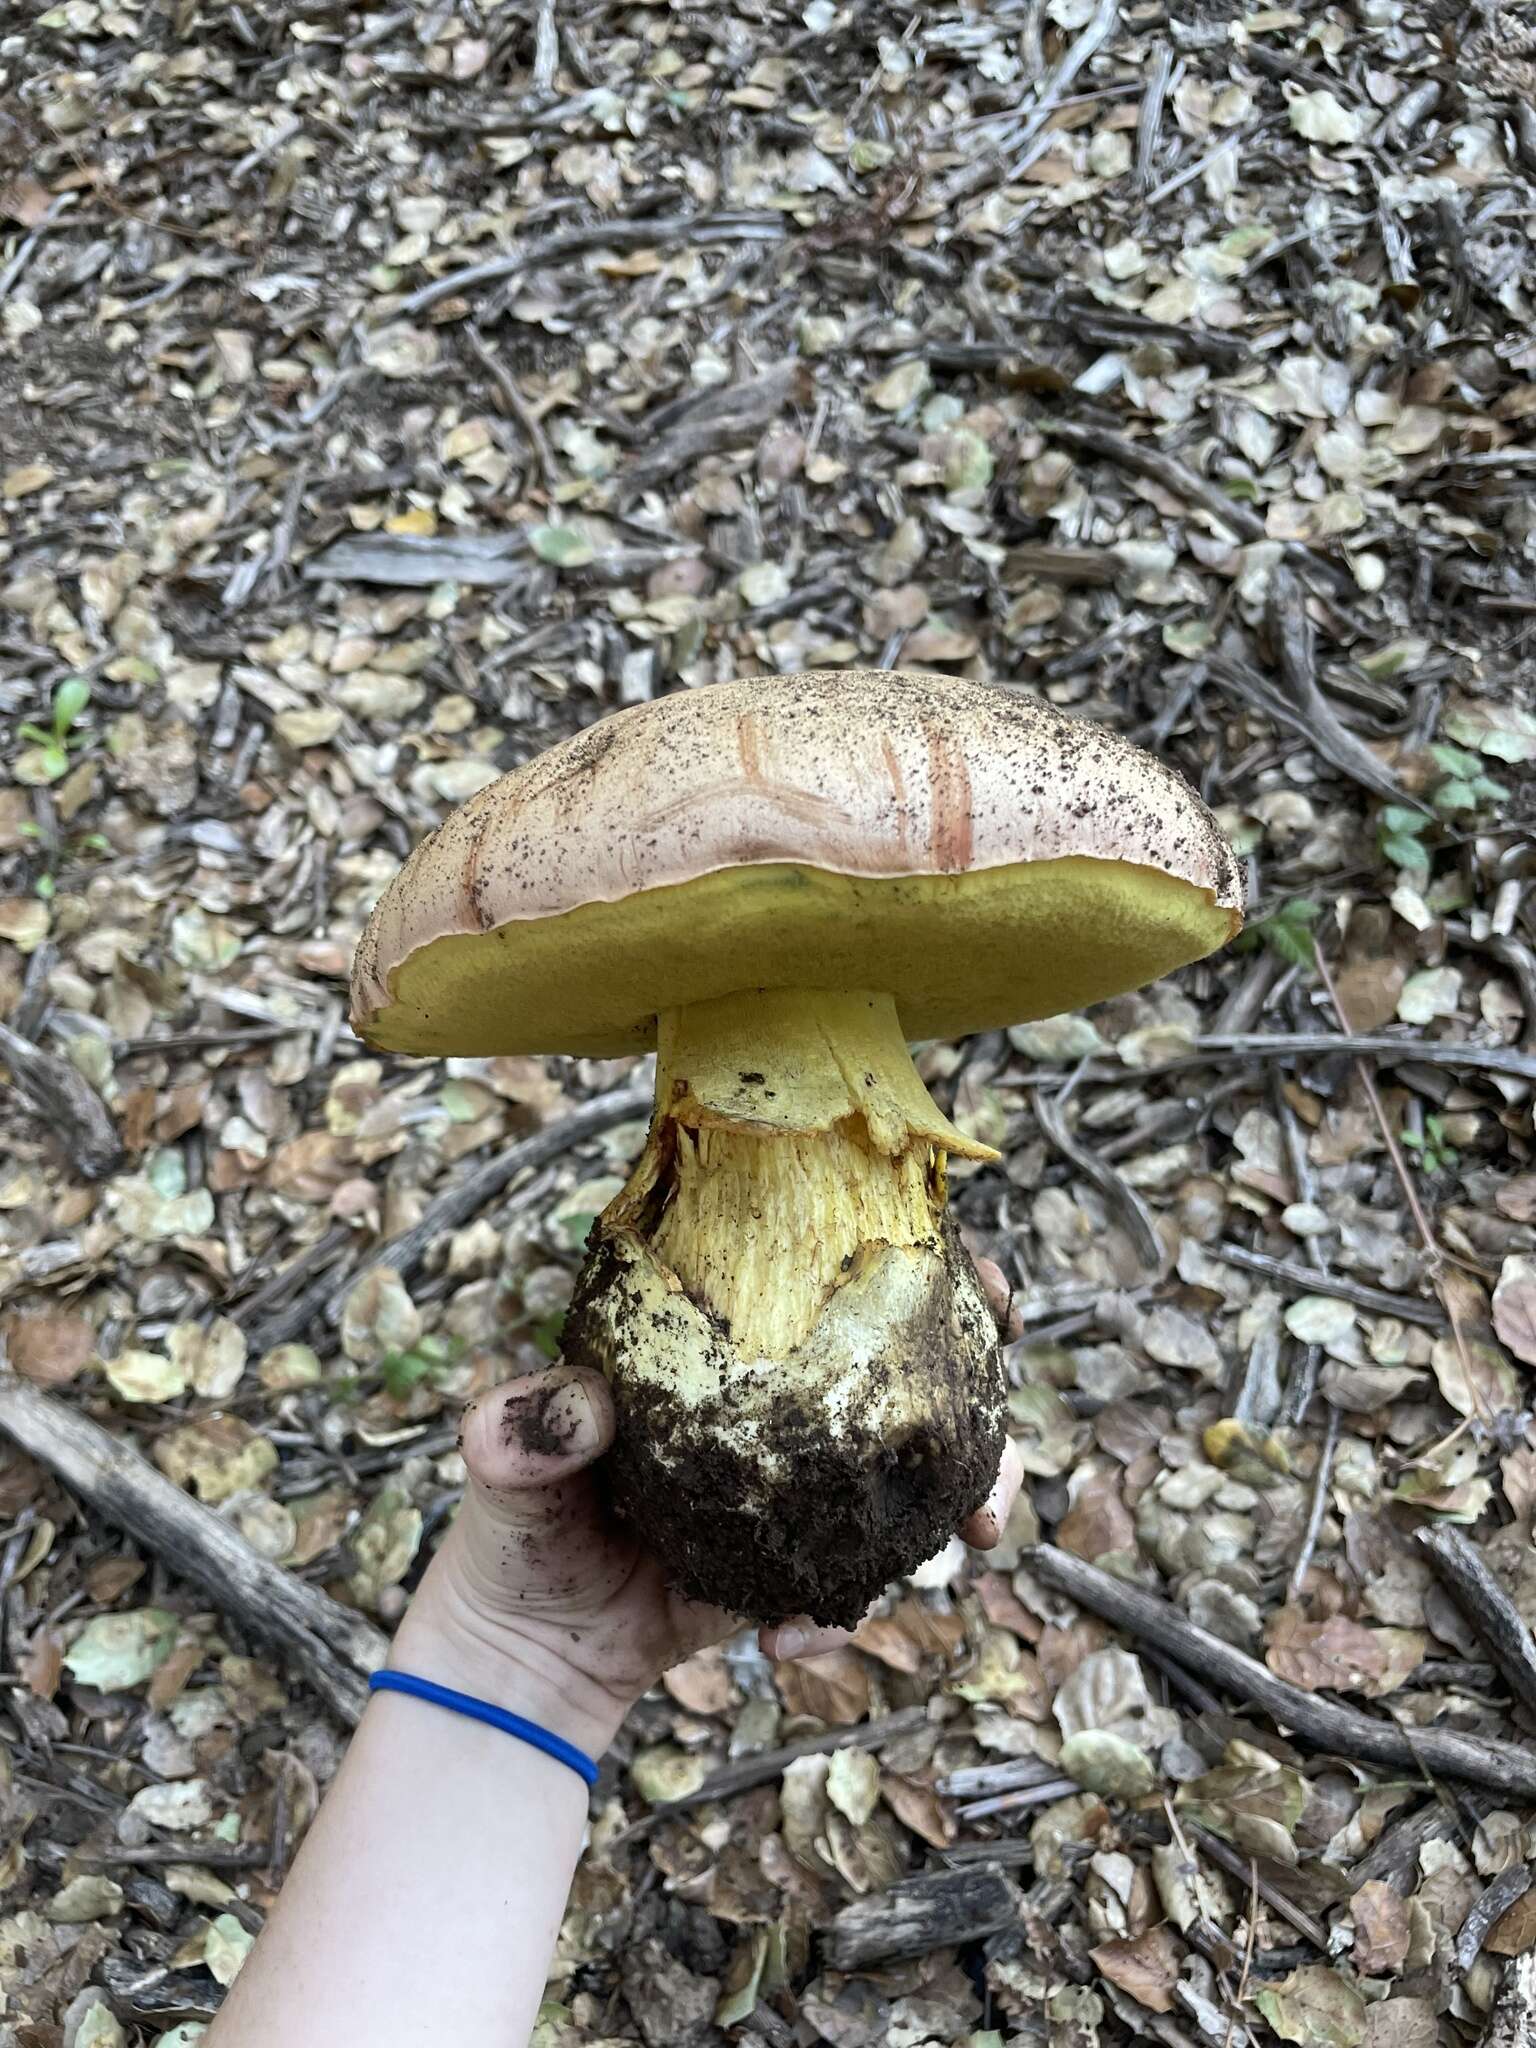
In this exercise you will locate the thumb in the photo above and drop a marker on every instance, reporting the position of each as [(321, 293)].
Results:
[(535, 1432), (534, 1534)]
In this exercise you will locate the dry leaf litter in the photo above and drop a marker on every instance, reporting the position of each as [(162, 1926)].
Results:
[(386, 393)]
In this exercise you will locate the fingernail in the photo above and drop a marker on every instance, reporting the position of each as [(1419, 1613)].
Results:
[(573, 1416), (553, 1422), (790, 1642)]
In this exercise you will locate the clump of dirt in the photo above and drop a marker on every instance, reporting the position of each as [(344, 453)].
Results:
[(542, 1423), (842, 1516)]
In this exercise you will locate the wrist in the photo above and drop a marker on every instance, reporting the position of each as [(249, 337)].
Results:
[(445, 1637)]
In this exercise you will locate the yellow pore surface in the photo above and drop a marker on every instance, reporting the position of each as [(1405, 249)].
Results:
[(958, 953)]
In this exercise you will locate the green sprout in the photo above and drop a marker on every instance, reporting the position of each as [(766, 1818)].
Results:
[(1432, 1148), (1399, 835), (1286, 931), (426, 1361), (1466, 787), (54, 743)]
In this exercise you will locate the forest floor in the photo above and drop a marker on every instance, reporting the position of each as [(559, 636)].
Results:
[(386, 393)]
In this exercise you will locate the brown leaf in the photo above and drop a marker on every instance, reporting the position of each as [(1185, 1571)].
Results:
[(170, 1681), (1061, 1650), (1098, 1520), (1368, 992), (42, 1665), (1514, 1306), (1003, 1607), (833, 1687), (24, 201), (1147, 1968), (917, 1806), (1402, 2023), (49, 1347), (703, 1684), (109, 1578), (903, 1638), (1381, 1929), (1514, 1932), (1341, 1655)]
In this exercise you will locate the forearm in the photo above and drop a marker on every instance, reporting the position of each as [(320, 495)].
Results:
[(425, 1902)]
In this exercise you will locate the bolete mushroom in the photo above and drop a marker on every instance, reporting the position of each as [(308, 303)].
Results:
[(777, 883)]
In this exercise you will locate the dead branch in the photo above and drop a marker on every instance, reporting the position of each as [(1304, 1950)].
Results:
[(1499, 1624), (598, 234), (454, 1207), (327, 1644), (1301, 1279), (1323, 1723), (75, 1114), (1429, 1052), (1121, 1196), (1513, 2021), (941, 1909)]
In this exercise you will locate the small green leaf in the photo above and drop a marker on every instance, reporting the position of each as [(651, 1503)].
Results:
[(1398, 818), (69, 702), (1455, 795), (567, 547), (547, 1334), (117, 1651), (403, 1370), (1404, 852), (1455, 760)]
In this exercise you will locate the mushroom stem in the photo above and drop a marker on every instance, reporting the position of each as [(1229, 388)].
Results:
[(806, 1376), (792, 1134)]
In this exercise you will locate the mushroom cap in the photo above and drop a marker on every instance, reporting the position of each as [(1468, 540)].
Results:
[(978, 855)]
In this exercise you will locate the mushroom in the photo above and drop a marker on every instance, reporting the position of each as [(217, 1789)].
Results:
[(778, 883)]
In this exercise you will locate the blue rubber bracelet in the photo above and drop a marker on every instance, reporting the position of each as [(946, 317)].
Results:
[(494, 1717)]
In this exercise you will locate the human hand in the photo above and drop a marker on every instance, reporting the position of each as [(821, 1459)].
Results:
[(542, 1601)]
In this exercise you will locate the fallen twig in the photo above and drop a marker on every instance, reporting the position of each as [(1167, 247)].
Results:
[(1296, 648), (1323, 1723), (1394, 1857), (1499, 1624), (455, 1206), (990, 168), (940, 1909), (1512, 2023), (61, 1095), (1142, 459), (330, 1645), (1242, 1868), (515, 402), (1491, 1905), (1308, 1280), (1430, 1052), (597, 234), (1318, 1505), (1121, 1196), (1149, 121), (720, 419), (1434, 1255), (748, 1771)]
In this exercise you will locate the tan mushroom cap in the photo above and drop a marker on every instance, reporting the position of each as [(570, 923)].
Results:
[(978, 855)]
